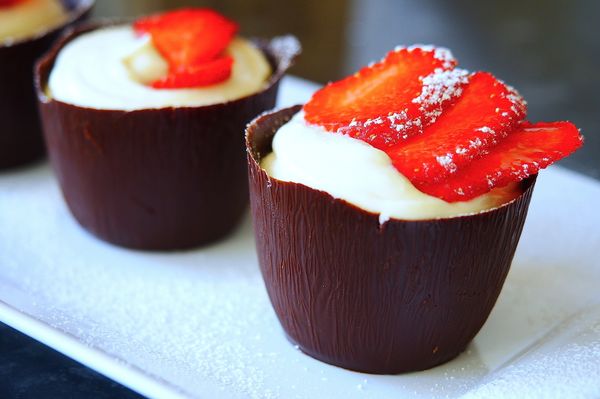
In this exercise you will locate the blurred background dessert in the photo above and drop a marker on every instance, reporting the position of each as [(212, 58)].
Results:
[(21, 20), (147, 168), (27, 30)]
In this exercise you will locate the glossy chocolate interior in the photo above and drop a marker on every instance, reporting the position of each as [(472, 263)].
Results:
[(20, 131), (155, 179), (385, 299)]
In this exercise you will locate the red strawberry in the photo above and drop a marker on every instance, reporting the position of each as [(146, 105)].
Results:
[(204, 74), (486, 112), (387, 102), (521, 154), (187, 39), (188, 36)]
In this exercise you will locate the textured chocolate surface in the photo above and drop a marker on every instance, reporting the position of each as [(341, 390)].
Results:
[(159, 179), (20, 131), (385, 299)]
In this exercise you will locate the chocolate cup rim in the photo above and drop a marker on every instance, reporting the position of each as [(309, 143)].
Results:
[(83, 7), (287, 113), (44, 66)]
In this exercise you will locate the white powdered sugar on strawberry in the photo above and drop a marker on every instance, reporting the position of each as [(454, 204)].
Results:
[(439, 87), (447, 162), (432, 83), (439, 53)]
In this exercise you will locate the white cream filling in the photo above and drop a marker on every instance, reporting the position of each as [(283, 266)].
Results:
[(108, 69), (29, 18), (354, 171)]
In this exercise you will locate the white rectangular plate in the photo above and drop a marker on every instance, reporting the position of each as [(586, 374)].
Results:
[(199, 323)]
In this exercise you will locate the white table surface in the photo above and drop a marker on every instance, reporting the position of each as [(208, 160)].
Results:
[(199, 323)]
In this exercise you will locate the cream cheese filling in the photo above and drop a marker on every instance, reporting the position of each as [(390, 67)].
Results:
[(354, 171)]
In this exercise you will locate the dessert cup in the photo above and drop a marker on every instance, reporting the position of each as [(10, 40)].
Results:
[(21, 136), (155, 179), (377, 298)]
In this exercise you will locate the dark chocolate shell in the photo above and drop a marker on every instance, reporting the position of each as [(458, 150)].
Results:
[(384, 299), (20, 130), (155, 179)]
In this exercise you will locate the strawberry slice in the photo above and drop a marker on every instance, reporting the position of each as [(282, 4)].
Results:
[(487, 111), (188, 36), (187, 39), (521, 154), (387, 102), (204, 74)]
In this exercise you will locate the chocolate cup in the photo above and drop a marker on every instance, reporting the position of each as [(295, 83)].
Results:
[(21, 133), (155, 179), (383, 299)]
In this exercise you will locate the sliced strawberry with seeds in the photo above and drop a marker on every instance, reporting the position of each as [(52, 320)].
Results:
[(487, 111), (204, 74), (387, 102), (188, 36), (521, 154), (192, 41)]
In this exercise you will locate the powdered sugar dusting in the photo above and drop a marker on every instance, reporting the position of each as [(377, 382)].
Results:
[(286, 48), (514, 109), (440, 53), (439, 87), (485, 129), (431, 84), (519, 104), (569, 367), (447, 162)]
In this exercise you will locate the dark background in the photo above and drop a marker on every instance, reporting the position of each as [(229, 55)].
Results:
[(548, 49)]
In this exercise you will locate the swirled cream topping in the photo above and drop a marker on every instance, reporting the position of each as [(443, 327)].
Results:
[(354, 171), (30, 17), (110, 68)]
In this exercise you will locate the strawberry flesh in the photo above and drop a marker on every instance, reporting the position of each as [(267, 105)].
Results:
[(521, 154), (387, 102), (486, 113), (205, 74), (192, 41)]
